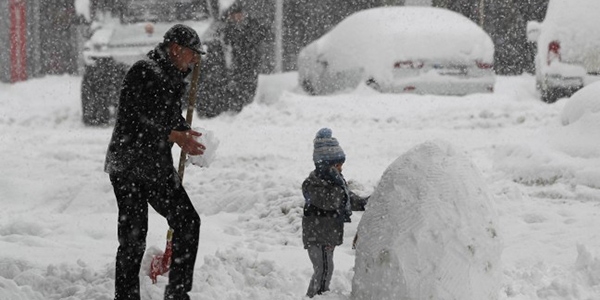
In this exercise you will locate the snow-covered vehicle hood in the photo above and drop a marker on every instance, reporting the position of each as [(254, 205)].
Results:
[(142, 25), (126, 43), (389, 45), (403, 34)]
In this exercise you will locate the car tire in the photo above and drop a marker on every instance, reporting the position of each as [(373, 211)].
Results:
[(372, 83), (551, 95), (308, 87)]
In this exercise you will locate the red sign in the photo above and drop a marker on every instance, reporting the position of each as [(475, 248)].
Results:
[(18, 40)]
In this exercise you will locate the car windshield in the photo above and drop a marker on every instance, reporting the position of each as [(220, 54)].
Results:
[(163, 10)]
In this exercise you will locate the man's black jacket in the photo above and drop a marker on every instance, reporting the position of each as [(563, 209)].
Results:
[(149, 108)]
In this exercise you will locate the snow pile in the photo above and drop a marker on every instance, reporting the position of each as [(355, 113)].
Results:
[(232, 274), (10, 290), (565, 151), (238, 274), (429, 231), (582, 102), (58, 218), (272, 86), (581, 280), (579, 139), (20, 280)]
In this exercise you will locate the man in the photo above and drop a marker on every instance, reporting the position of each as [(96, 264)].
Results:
[(140, 163), (230, 72), (244, 36)]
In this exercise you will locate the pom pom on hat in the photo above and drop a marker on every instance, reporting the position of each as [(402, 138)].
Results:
[(324, 133), (327, 150)]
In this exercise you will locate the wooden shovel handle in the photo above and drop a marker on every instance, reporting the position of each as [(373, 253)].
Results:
[(190, 112)]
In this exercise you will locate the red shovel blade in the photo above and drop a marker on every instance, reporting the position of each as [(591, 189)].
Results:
[(159, 266), (160, 263)]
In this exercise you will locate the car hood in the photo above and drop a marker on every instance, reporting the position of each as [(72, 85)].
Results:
[(375, 39), (128, 43), (116, 35)]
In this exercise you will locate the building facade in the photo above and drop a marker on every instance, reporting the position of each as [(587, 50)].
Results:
[(42, 38)]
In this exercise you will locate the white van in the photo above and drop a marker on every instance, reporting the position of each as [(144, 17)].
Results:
[(568, 47)]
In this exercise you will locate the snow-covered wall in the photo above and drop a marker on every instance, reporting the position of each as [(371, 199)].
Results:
[(32, 40), (429, 231)]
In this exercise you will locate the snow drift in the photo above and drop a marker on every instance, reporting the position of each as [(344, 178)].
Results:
[(584, 101), (429, 231)]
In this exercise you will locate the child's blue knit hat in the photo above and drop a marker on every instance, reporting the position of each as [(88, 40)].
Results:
[(327, 150)]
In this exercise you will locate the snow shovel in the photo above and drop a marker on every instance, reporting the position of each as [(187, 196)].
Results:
[(190, 112), (160, 263)]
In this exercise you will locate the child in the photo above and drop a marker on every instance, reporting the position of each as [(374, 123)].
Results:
[(328, 204)]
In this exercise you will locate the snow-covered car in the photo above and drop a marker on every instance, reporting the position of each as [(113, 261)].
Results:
[(424, 50), (568, 47), (116, 43)]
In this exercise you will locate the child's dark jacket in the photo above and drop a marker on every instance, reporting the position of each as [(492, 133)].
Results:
[(323, 221)]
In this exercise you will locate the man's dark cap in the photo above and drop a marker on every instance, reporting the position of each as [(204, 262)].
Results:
[(237, 7), (184, 36)]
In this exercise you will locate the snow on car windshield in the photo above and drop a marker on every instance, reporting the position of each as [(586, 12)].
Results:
[(378, 37), (163, 11)]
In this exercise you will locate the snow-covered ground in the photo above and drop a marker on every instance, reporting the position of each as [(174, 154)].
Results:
[(58, 212)]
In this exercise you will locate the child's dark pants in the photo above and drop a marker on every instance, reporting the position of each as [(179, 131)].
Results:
[(321, 257)]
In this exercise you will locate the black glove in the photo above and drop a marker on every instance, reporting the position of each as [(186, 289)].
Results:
[(336, 177)]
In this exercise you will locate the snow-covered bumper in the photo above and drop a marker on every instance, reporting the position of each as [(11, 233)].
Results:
[(442, 85), (321, 82), (568, 76)]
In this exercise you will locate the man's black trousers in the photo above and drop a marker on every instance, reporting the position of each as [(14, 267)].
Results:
[(168, 197)]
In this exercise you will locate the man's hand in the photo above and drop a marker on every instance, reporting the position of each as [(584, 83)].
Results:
[(186, 140)]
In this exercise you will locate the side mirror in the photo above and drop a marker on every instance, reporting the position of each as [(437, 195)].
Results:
[(534, 30)]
